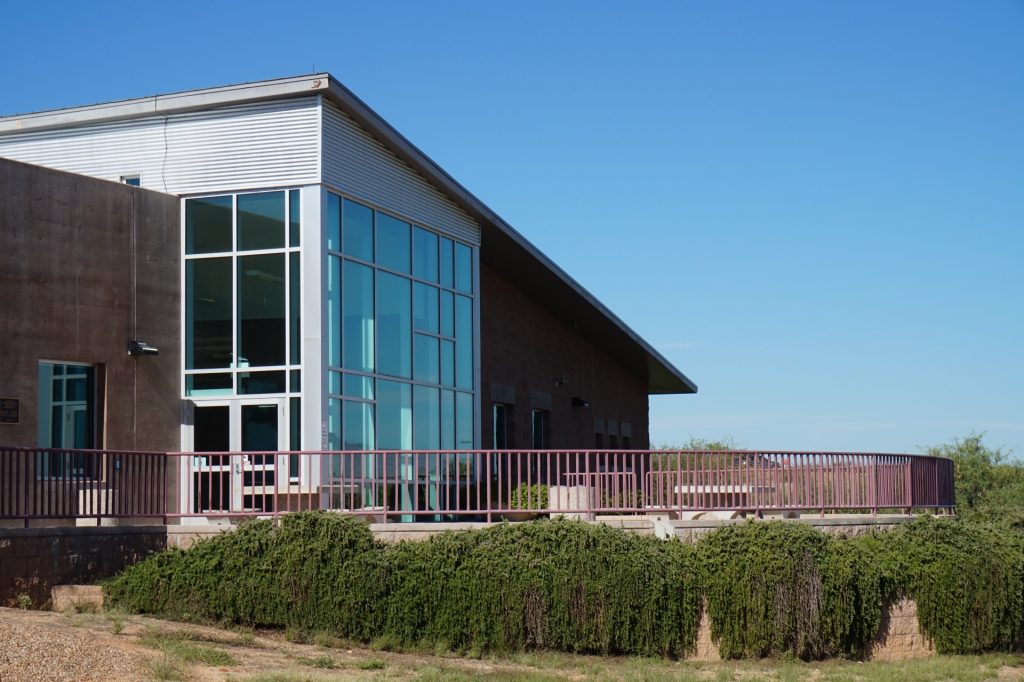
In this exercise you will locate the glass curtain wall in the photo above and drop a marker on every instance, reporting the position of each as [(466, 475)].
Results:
[(400, 347), (243, 299)]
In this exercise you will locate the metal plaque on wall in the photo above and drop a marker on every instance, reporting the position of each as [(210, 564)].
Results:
[(10, 411)]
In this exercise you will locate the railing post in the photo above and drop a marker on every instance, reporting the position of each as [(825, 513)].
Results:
[(874, 485)]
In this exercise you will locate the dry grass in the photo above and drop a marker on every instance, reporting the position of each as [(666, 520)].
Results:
[(174, 651)]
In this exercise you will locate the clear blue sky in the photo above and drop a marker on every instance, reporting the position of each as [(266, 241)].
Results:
[(814, 209)]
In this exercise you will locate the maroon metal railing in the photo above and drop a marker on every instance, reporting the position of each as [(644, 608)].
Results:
[(462, 485)]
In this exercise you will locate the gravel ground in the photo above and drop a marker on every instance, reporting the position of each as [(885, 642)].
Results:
[(30, 652)]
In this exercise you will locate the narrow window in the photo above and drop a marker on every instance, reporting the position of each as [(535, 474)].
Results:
[(133, 180), (502, 426), (541, 423), (67, 419)]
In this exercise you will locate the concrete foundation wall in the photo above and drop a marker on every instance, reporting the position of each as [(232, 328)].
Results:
[(533, 360)]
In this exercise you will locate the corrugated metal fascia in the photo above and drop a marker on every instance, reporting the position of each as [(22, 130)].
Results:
[(241, 147), (358, 164), (167, 104)]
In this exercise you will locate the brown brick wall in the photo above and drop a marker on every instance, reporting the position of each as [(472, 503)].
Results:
[(528, 350), (68, 244), (32, 560)]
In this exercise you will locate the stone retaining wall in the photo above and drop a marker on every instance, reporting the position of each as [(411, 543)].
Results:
[(899, 636)]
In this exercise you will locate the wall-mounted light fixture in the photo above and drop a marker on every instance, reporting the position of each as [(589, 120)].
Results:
[(580, 402), (142, 348)]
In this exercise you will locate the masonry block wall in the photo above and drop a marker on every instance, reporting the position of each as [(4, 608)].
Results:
[(533, 360), (85, 266), (33, 560), (72, 249)]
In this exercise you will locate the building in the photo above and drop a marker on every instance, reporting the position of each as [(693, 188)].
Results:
[(311, 280)]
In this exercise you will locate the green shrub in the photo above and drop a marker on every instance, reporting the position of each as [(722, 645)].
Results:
[(560, 585), (784, 588), (529, 497), (265, 573), (966, 578), (770, 588)]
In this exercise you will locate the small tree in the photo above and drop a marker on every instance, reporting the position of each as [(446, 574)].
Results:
[(989, 484)]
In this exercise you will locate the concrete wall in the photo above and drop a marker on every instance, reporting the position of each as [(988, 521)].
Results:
[(532, 359), (33, 560), (852, 525), (71, 250)]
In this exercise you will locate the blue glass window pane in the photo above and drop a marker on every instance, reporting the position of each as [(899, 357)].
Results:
[(392, 243), (358, 386), (425, 363), (394, 325), (208, 385), (360, 433), (463, 268), (333, 222), (464, 342), (424, 307), (394, 415), (424, 254), (294, 308), (294, 432), (294, 435), (208, 224), (334, 383), (358, 288), (334, 311), (294, 217), (358, 230), (334, 424), (447, 420), (426, 419), (447, 363), (447, 262), (447, 314), (261, 382), (464, 421), (261, 221), (75, 389), (261, 319), (208, 314)]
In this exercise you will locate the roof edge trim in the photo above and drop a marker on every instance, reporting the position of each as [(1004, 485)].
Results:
[(162, 105), (325, 84)]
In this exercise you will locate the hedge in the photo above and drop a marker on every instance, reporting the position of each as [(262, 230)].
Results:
[(770, 588)]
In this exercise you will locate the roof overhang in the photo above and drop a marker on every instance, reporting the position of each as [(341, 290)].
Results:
[(504, 249)]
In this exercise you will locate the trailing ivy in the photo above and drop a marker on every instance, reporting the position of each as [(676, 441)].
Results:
[(785, 588), (770, 588), (267, 573), (966, 578)]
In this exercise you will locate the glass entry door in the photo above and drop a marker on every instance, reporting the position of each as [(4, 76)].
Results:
[(258, 429), (240, 467)]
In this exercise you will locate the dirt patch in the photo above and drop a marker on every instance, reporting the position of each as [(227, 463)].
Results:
[(36, 645), (90, 647)]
